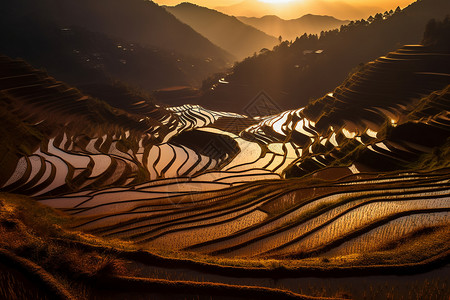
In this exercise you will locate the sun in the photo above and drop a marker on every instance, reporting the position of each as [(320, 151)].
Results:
[(276, 1)]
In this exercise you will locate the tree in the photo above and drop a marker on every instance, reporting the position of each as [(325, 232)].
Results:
[(280, 39), (436, 34), (322, 34), (378, 17)]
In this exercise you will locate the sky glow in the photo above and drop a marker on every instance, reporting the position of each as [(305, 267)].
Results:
[(292, 9)]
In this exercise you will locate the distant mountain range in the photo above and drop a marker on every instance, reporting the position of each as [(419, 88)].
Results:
[(293, 9), (227, 32), (291, 29)]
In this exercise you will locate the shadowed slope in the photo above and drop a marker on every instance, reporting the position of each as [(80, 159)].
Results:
[(141, 18), (225, 31), (82, 43)]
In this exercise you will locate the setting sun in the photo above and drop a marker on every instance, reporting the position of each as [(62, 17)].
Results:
[(291, 9), (276, 1)]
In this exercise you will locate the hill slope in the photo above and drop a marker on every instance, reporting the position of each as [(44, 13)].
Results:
[(143, 22), (291, 29), (225, 31), (100, 145), (298, 74), (84, 58)]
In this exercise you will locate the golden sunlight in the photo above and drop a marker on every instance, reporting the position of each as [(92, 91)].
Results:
[(276, 1), (292, 9)]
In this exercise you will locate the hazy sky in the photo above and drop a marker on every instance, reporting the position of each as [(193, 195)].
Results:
[(289, 9)]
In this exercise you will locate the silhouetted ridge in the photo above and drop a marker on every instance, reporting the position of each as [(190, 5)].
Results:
[(291, 29), (314, 65)]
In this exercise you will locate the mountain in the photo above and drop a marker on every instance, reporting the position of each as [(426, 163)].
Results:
[(313, 65), (141, 22), (225, 31), (84, 47), (86, 59), (291, 29), (292, 9)]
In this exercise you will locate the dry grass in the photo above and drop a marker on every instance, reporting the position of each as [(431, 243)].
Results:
[(31, 230), (14, 286)]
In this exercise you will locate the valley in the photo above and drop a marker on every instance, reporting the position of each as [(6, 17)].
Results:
[(108, 192)]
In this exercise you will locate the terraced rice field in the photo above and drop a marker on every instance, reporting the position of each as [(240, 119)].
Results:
[(292, 142), (275, 219), (320, 221), (180, 178)]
